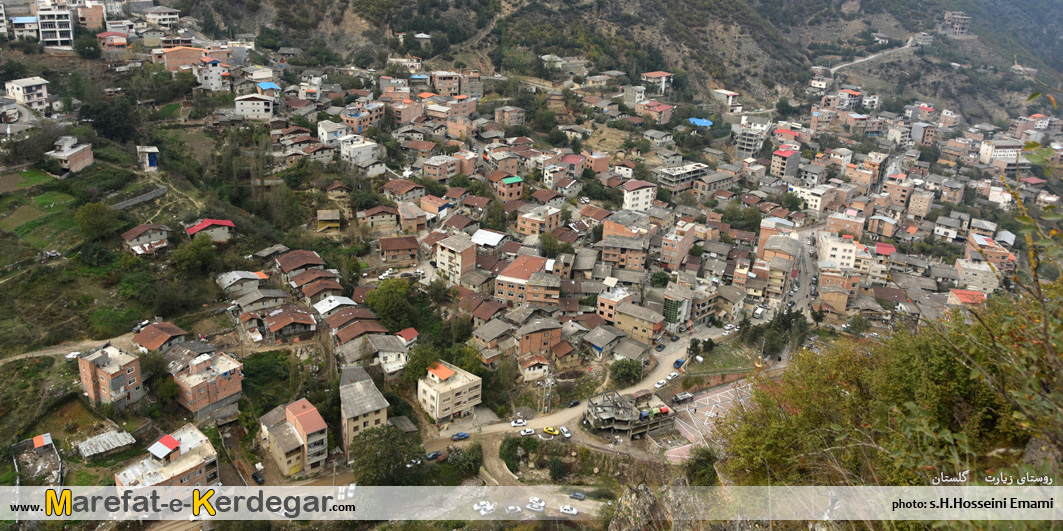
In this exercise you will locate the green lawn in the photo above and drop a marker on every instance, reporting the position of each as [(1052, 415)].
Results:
[(52, 201), (168, 111), (24, 214), (33, 177), (725, 356)]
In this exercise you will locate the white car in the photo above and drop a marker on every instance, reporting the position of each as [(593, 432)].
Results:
[(536, 501), (568, 509), (73, 355), (533, 507), (673, 376), (728, 327), (487, 510), (513, 509), (660, 384), (566, 433), (478, 506), (519, 423), (526, 432)]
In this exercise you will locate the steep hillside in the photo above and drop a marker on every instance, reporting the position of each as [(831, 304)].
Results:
[(760, 47)]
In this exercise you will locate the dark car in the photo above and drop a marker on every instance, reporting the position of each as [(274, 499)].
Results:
[(674, 338), (573, 403), (460, 436), (578, 496), (433, 456), (659, 348), (257, 476)]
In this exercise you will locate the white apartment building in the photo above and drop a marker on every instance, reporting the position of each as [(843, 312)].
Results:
[(639, 195), (1007, 149), (56, 25), (255, 107), (30, 91), (448, 392), (357, 149)]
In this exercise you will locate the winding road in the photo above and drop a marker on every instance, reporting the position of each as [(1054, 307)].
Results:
[(907, 45)]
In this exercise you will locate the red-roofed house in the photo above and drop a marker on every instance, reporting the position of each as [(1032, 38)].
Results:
[(297, 437), (965, 297), (448, 392), (219, 230)]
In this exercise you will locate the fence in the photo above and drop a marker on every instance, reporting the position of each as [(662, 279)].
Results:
[(158, 192)]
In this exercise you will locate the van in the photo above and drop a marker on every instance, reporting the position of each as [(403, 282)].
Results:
[(758, 312), (682, 398)]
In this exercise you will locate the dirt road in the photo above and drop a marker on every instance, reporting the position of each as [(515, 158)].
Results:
[(66, 348)]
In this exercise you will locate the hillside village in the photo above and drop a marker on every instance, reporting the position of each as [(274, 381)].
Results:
[(480, 258)]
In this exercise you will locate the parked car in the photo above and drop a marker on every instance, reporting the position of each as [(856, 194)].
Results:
[(518, 423), (659, 348), (480, 505), (673, 376), (566, 433), (679, 363), (674, 338), (660, 384), (578, 496), (513, 509), (729, 327), (536, 501), (550, 430), (257, 476), (460, 436), (526, 432), (536, 508), (569, 510), (433, 456), (573, 403)]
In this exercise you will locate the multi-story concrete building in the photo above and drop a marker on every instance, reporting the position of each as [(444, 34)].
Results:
[(641, 324), (399, 250), (538, 336), (208, 382), (297, 437), (30, 91), (982, 249), (441, 168), (455, 256), (839, 223), (110, 375), (184, 458), (448, 392), (539, 220), (676, 245), (785, 162), (509, 116), (610, 299), (56, 25), (1004, 149), (164, 17), (512, 282), (72, 155), (679, 179), (676, 307), (920, 203), (977, 275), (625, 252), (362, 405), (639, 195), (899, 187)]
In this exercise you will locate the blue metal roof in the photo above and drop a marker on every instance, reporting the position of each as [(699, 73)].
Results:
[(268, 85), (24, 20), (700, 122)]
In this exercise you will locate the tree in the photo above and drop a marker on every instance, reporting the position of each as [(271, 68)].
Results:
[(558, 469), (87, 47), (421, 358), (694, 349), (390, 301), (708, 346), (114, 118), (196, 256), (859, 324), (791, 202), (701, 468), (549, 244), (166, 390), (626, 372), (660, 279), (438, 290), (97, 220), (566, 215), (379, 455), (818, 315)]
